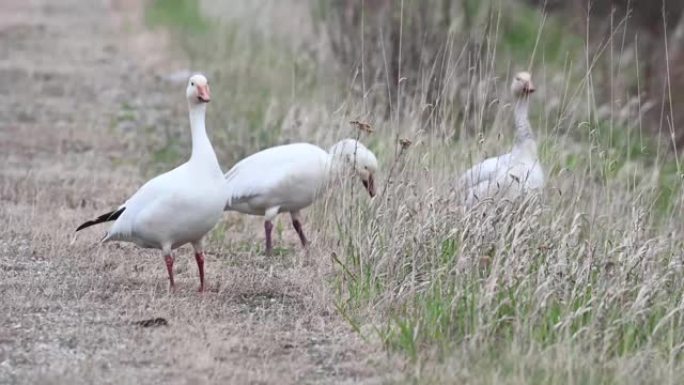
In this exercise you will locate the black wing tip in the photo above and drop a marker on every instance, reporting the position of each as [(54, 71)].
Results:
[(84, 225), (110, 216)]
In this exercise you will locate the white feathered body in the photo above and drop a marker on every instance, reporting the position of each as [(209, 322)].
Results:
[(166, 211), (507, 176), (284, 178)]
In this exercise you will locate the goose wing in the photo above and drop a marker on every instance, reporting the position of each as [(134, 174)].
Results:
[(485, 171), (271, 171)]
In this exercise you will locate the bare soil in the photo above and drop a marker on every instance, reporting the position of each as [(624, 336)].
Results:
[(83, 95)]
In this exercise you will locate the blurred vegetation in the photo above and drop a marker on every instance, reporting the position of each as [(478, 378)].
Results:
[(411, 49), (653, 29), (182, 14)]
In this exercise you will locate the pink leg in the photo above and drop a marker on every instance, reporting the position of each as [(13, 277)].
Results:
[(268, 226), (169, 268), (199, 257), (300, 231)]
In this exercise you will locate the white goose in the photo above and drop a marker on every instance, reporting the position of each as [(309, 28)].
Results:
[(180, 206), (513, 174), (291, 177)]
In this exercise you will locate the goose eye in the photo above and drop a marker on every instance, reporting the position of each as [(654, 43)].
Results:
[(192, 84)]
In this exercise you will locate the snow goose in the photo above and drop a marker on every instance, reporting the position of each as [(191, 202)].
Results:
[(291, 177), (180, 206), (509, 175)]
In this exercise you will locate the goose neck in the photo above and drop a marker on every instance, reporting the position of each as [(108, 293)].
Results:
[(522, 123), (202, 149)]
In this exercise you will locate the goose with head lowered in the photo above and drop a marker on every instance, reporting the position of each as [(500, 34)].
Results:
[(180, 206), (516, 173), (291, 177)]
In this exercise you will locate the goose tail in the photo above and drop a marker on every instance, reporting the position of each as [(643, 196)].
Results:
[(110, 216)]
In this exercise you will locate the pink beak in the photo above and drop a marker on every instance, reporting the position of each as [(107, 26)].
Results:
[(529, 87), (369, 185), (203, 93)]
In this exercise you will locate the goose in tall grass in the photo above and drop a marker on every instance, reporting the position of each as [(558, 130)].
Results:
[(180, 206), (513, 174), (291, 177)]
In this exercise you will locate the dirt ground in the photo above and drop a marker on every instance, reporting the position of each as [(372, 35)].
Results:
[(68, 305)]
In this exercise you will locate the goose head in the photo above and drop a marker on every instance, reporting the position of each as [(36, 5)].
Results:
[(198, 90), (522, 84), (359, 159)]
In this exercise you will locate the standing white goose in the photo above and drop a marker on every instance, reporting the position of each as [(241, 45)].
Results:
[(180, 206), (513, 174), (291, 177)]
